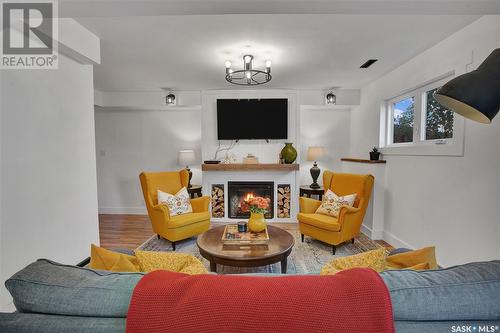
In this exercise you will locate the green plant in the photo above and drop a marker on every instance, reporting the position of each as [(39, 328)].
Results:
[(375, 150)]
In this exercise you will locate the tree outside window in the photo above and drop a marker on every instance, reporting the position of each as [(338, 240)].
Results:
[(438, 119), (403, 113)]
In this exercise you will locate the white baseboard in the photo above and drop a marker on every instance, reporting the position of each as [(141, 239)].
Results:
[(373, 234), (123, 210), (395, 241), (366, 230)]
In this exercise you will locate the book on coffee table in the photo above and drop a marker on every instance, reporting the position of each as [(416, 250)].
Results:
[(231, 235)]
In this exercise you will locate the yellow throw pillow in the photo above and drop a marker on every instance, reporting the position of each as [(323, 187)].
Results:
[(175, 262), (412, 258), (332, 203), (107, 260), (374, 259), (420, 267), (124, 264)]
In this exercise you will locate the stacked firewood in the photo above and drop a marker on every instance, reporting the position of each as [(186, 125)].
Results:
[(217, 200), (283, 201)]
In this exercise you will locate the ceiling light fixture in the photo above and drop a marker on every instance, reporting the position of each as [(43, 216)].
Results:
[(475, 95), (248, 76), (170, 99), (330, 98)]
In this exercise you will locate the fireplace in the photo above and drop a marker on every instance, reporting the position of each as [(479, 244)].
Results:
[(239, 191)]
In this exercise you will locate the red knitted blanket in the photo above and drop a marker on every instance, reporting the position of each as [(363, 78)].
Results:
[(352, 301)]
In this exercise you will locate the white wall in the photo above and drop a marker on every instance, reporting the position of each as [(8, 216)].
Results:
[(48, 175), (323, 126), (129, 142), (450, 202)]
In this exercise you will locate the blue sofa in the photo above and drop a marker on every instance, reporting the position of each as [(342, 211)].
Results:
[(53, 298)]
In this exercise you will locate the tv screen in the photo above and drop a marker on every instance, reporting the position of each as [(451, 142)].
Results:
[(252, 119)]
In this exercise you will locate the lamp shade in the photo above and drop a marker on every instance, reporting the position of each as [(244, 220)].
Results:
[(186, 157), (475, 95), (315, 153)]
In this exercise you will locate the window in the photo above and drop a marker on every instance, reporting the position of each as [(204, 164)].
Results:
[(402, 114), (438, 119), (415, 124)]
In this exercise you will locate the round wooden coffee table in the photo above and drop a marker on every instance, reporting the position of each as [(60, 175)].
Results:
[(276, 250)]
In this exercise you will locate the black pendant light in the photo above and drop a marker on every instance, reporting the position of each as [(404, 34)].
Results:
[(475, 95)]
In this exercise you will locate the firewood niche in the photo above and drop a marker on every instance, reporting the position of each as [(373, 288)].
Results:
[(217, 200), (283, 201)]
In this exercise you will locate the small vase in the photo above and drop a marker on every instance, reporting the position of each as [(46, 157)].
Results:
[(289, 153), (256, 222)]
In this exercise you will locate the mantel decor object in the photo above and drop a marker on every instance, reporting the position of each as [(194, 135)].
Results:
[(250, 159), (288, 154), (314, 154), (186, 157)]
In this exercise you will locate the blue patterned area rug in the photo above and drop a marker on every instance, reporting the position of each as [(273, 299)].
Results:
[(306, 258)]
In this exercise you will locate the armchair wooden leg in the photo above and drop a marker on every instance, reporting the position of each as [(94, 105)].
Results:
[(173, 246), (158, 236), (352, 241), (333, 249), (302, 237)]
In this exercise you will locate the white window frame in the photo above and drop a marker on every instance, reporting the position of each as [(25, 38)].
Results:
[(390, 120), (419, 146)]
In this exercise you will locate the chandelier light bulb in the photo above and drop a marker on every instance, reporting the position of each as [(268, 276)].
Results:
[(247, 59), (268, 63), (228, 64)]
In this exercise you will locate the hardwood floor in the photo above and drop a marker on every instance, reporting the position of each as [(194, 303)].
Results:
[(124, 231), (130, 231)]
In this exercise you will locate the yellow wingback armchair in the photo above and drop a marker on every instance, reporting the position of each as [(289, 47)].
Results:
[(179, 227), (331, 230)]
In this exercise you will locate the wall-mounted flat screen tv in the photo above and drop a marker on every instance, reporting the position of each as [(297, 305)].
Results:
[(265, 118)]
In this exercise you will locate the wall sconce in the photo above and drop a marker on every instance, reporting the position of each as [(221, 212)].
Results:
[(330, 98), (170, 99)]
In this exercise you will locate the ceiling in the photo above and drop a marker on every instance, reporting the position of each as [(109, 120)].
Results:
[(106, 8), (188, 52)]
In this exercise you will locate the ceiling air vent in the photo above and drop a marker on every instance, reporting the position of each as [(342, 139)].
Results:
[(368, 63)]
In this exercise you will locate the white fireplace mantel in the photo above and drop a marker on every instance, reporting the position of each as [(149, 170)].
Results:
[(279, 174)]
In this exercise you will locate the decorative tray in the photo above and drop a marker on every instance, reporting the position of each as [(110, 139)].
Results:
[(231, 236)]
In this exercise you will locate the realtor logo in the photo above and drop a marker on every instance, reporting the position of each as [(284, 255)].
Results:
[(29, 34)]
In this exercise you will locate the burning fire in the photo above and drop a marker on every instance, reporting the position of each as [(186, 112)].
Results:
[(253, 203), (249, 196)]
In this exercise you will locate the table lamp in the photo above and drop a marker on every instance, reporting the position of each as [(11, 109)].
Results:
[(186, 157), (314, 154)]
